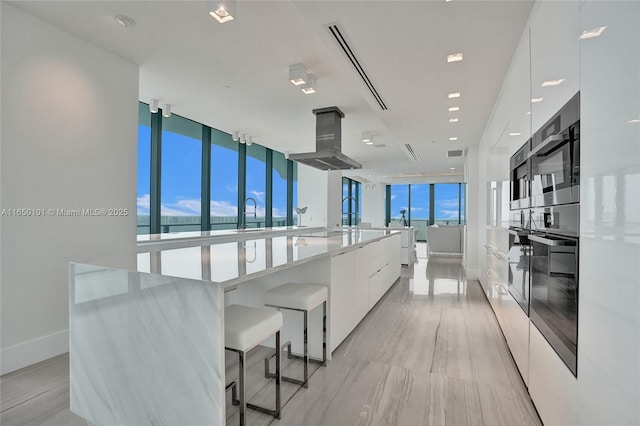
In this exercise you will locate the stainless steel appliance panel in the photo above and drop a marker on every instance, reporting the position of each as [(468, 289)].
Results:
[(520, 178), (557, 220), (519, 255), (554, 293), (555, 158)]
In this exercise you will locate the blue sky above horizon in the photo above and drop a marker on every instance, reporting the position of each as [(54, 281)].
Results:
[(445, 201), (181, 171)]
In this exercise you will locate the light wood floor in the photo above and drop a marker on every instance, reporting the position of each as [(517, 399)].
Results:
[(430, 353)]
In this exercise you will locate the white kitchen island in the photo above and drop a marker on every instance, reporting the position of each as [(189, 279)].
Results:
[(146, 346)]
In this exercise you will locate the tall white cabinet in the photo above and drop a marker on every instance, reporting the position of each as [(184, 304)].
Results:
[(550, 65)]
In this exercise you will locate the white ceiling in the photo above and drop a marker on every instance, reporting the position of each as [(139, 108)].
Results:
[(234, 76)]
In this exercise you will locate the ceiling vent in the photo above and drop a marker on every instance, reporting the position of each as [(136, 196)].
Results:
[(338, 35), (455, 153), (380, 145), (411, 153)]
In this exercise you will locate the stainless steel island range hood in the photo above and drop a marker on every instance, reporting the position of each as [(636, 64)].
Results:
[(328, 154)]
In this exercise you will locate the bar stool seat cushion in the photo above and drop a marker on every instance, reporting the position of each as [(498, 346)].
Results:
[(247, 326), (296, 296)]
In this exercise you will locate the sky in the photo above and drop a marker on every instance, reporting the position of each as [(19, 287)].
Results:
[(445, 201), (181, 171)]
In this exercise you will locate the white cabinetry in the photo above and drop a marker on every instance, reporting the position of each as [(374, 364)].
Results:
[(342, 312), (555, 44), (515, 326), (359, 278)]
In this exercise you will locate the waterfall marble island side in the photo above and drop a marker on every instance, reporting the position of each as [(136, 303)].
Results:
[(147, 346)]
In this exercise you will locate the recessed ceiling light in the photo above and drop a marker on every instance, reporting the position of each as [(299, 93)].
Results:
[(311, 85), (453, 95), (367, 138), (222, 10), (596, 32), (635, 120), (452, 168), (124, 21), (453, 120), (515, 134), (552, 83), (297, 74), (536, 100), (451, 109), (455, 57), (528, 113), (453, 139)]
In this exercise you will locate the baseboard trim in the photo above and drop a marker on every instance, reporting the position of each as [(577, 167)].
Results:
[(32, 351), (473, 274)]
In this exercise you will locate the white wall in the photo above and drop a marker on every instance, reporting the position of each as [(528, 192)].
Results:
[(474, 206), (69, 141), (321, 192), (373, 204)]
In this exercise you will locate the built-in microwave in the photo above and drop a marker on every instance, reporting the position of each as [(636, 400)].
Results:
[(555, 158), (520, 177)]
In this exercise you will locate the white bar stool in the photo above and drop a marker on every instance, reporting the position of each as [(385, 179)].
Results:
[(303, 298), (244, 328)]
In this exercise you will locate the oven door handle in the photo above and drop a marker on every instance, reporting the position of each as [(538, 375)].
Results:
[(550, 242), (551, 142)]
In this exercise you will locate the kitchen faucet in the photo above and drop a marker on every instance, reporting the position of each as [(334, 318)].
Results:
[(243, 225)]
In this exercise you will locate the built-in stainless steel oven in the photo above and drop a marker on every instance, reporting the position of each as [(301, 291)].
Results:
[(519, 253), (520, 177), (554, 246), (555, 158)]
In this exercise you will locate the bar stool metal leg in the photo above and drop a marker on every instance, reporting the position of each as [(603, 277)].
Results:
[(305, 356), (242, 373), (242, 367), (324, 333), (278, 377), (306, 350)]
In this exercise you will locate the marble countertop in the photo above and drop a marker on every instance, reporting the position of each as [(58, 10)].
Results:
[(191, 238), (233, 262)]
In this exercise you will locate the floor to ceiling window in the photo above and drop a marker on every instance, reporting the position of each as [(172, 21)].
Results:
[(144, 168), (399, 204), (447, 203), (279, 189), (256, 188), (419, 216), (421, 205), (224, 181), (351, 203), (192, 177), (181, 174), (292, 175)]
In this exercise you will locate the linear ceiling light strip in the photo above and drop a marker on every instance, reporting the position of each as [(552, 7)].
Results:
[(335, 31)]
